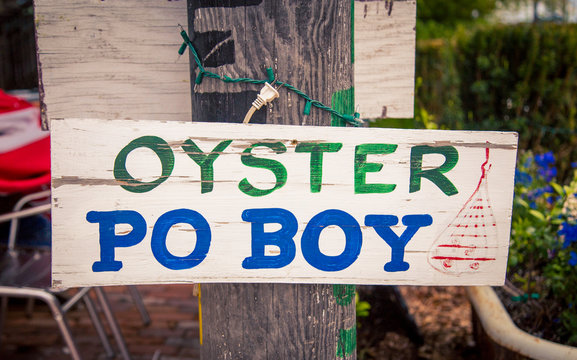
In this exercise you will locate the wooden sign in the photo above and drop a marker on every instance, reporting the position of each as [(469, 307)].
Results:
[(138, 202), (96, 64)]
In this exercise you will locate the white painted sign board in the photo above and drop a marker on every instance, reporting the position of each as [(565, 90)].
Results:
[(139, 202)]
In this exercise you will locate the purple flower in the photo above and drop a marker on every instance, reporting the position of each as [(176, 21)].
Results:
[(573, 260), (574, 164)]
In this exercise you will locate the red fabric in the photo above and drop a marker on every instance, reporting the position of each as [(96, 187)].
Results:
[(27, 167), (11, 103)]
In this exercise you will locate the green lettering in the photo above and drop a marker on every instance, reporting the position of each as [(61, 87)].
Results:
[(362, 167), (317, 150), (205, 161), (274, 166), (162, 150), (434, 175)]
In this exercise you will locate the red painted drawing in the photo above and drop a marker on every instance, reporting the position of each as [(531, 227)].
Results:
[(469, 242)]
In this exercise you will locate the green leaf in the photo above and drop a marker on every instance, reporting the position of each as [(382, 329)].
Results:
[(558, 188), (521, 202), (537, 214)]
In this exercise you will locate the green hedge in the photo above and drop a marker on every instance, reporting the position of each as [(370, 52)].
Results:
[(520, 78)]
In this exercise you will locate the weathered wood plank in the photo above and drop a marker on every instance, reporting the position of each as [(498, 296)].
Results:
[(112, 59), (117, 59), (385, 58), (465, 243)]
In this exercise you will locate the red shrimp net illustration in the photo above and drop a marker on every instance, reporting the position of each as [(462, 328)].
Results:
[(469, 242)]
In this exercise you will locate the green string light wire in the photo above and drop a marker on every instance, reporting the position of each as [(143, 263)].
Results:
[(202, 73)]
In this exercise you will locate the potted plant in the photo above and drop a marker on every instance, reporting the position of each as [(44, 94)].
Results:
[(541, 290)]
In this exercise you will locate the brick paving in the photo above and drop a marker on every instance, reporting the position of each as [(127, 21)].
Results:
[(172, 334)]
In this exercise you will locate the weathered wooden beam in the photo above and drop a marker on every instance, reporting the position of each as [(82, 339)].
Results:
[(308, 44)]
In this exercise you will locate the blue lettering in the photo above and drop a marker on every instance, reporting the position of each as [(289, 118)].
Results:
[(160, 231), (382, 225), (107, 221), (282, 238), (311, 235)]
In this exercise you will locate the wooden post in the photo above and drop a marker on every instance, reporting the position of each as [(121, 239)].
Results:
[(308, 44)]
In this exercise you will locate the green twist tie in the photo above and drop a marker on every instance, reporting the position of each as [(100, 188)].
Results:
[(182, 48), (351, 119), (270, 74), (199, 78), (185, 36), (307, 109)]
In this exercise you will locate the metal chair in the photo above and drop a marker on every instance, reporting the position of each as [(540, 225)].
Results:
[(14, 224), (26, 274)]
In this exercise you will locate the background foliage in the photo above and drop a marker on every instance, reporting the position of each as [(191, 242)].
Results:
[(517, 77), (475, 74)]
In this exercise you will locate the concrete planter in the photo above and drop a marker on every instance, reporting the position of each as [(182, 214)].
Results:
[(499, 338)]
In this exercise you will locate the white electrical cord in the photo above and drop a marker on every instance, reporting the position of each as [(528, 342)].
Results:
[(267, 94)]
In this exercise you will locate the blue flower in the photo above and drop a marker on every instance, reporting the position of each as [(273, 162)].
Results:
[(545, 160), (569, 232), (546, 166), (528, 162), (537, 193), (551, 174), (547, 173), (523, 178), (573, 260), (574, 164)]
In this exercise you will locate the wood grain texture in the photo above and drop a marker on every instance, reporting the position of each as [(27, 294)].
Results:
[(306, 43), (273, 321), (112, 59), (118, 59), (385, 58)]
